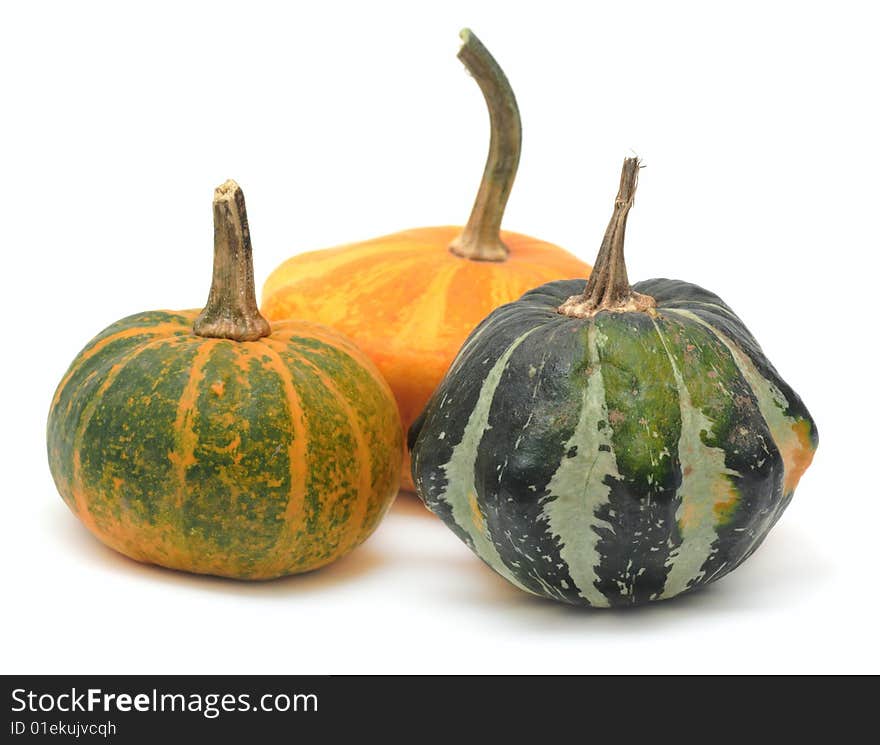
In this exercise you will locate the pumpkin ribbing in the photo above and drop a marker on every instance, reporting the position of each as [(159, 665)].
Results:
[(613, 456), (248, 459)]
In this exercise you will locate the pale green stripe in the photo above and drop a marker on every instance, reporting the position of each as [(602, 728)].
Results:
[(460, 492), (577, 488), (771, 403), (704, 483), (727, 311)]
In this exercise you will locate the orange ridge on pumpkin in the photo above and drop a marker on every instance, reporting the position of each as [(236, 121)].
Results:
[(330, 337), (164, 330), (797, 458), (151, 540), (296, 451), (76, 485), (355, 524), (186, 440)]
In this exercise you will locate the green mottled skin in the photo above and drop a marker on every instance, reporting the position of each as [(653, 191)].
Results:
[(218, 483), (714, 384), (641, 397), (371, 419), (127, 436)]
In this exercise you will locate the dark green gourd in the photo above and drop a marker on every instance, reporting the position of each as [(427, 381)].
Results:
[(612, 445)]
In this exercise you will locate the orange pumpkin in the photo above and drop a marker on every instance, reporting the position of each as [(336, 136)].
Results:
[(410, 299)]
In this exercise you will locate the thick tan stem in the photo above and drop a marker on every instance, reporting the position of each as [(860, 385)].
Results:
[(480, 240), (231, 312), (608, 287)]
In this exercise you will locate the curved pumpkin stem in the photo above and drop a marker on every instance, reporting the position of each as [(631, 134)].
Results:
[(231, 312), (608, 287), (480, 240)]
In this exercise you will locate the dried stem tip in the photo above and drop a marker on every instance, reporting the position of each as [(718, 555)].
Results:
[(481, 240), (231, 312), (608, 287)]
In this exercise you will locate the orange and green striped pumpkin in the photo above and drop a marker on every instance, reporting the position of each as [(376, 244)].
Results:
[(252, 458)]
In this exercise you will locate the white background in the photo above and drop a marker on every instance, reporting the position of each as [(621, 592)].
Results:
[(759, 126)]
